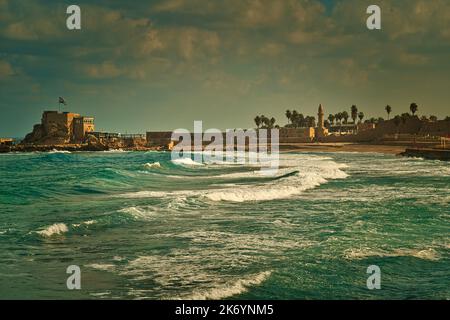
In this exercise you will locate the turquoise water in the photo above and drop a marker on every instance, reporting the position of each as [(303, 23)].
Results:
[(142, 227)]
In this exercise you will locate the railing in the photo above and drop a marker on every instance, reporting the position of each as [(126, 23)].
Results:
[(113, 135)]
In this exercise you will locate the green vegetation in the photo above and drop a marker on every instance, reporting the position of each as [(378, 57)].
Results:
[(298, 120)]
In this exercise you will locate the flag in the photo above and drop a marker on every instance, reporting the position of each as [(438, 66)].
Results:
[(61, 100)]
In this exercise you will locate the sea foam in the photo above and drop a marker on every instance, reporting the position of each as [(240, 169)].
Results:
[(152, 165), (186, 162), (424, 254), (230, 289), (54, 229), (297, 174)]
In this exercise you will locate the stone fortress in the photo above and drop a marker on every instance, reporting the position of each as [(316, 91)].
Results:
[(60, 128), (72, 129)]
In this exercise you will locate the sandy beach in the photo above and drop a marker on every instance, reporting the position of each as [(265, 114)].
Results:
[(342, 147)]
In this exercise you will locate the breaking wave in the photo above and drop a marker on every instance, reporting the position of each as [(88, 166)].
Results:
[(55, 229), (186, 162), (59, 151), (85, 223), (230, 289), (296, 175), (424, 254), (152, 165)]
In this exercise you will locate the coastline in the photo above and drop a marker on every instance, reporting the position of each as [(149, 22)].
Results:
[(291, 147), (343, 147)]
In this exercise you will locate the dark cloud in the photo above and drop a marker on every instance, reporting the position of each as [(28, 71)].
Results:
[(250, 56)]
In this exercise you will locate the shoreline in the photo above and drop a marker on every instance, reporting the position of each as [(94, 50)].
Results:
[(344, 147), (291, 147)]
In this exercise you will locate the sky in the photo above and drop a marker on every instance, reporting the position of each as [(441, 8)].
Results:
[(141, 66)]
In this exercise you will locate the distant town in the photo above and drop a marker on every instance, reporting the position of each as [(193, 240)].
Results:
[(75, 132)]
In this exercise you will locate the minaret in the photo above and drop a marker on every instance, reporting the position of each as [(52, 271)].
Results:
[(320, 114)]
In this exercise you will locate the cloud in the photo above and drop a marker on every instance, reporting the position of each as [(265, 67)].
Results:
[(179, 42), (106, 69), (348, 73)]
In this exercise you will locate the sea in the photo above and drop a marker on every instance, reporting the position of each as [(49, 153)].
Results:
[(141, 226)]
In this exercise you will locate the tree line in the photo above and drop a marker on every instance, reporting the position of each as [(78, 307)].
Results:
[(298, 120)]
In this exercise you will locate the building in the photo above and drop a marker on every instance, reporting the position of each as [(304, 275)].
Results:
[(60, 128), (159, 138), (6, 142), (320, 130), (297, 135), (81, 127)]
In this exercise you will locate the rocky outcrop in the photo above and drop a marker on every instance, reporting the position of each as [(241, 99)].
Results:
[(53, 134), (430, 154)]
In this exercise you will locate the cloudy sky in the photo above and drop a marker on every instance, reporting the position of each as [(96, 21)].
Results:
[(160, 65)]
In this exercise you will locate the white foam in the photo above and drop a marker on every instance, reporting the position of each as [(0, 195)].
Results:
[(280, 189), (87, 223), (312, 172), (55, 229), (102, 267), (230, 289), (425, 254), (136, 212), (59, 151), (186, 162), (152, 165)]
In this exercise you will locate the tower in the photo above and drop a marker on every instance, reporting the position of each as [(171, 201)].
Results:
[(321, 131), (320, 115)]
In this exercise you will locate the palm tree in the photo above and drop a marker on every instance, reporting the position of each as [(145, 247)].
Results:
[(345, 116), (301, 120), (310, 121), (354, 112), (404, 117), (265, 121), (397, 121), (288, 115), (338, 117), (294, 118), (361, 116), (331, 118), (388, 110), (272, 122), (258, 121), (413, 107)]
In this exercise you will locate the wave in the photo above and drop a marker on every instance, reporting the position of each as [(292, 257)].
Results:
[(59, 151), (86, 223), (102, 267), (231, 289), (277, 189), (136, 212), (424, 254), (152, 165), (54, 229), (297, 175), (186, 162)]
